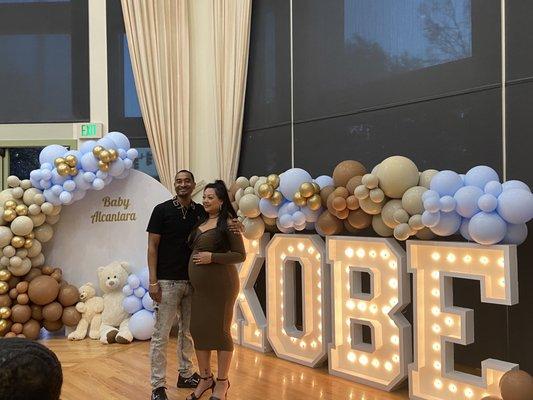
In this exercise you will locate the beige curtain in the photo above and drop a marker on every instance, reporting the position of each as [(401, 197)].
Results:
[(231, 22), (158, 40)]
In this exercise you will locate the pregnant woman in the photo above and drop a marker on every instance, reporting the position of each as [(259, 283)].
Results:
[(215, 280)]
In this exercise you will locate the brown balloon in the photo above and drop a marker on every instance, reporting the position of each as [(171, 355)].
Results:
[(68, 295), (13, 293), (342, 192), (349, 228), (338, 203), (52, 311), (10, 335), (352, 203), (70, 316), (53, 326), (5, 300), (31, 329), (47, 270), (20, 313), (43, 290), (359, 219), (329, 224), (324, 194), (57, 276), (23, 298), (13, 281), (343, 214), (22, 287), (34, 272), (36, 312), (353, 183), (16, 328), (516, 385), (346, 170)]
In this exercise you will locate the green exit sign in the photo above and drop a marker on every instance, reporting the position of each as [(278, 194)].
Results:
[(90, 130)]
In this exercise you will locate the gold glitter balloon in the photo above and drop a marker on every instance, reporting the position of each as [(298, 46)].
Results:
[(28, 243), (307, 190), (5, 312), (3, 325), (265, 191), (314, 202), (71, 160), (298, 199), (5, 275), (276, 198), (21, 209), (273, 180), (17, 242), (113, 154), (103, 166), (63, 169), (10, 204), (4, 287), (73, 171), (30, 235), (9, 215), (58, 161), (97, 150), (105, 156), (316, 187)]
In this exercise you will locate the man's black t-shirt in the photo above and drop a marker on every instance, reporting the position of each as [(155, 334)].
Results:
[(174, 223)]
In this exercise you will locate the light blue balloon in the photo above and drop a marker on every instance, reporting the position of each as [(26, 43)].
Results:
[(108, 180), (466, 199), (288, 208), (310, 215), (299, 218), (102, 175), (139, 292), (144, 277), (47, 166), (89, 177), (282, 229), (122, 154), (447, 203), (429, 194), (290, 181), (463, 177), (142, 325), (494, 188), (134, 281), (98, 184), (148, 303), (87, 147), (47, 174), (50, 153), (107, 143), (56, 189), (446, 182), (65, 197), (432, 205), (36, 174), (128, 163), (299, 227), (120, 140), (268, 209), (51, 197), (487, 228), (127, 290), (487, 203), (80, 182), (516, 234), (449, 223), (78, 195), (514, 184), (89, 162), (58, 179), (117, 167), (69, 185), (323, 181), (132, 154), (464, 229), (430, 219), (35, 183), (515, 206), (45, 184), (132, 304), (285, 221), (479, 176)]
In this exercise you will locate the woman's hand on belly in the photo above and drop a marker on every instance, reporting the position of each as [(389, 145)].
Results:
[(202, 258)]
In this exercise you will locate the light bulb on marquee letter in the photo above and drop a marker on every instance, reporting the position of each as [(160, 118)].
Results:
[(383, 362), (249, 322), (438, 324), (306, 346)]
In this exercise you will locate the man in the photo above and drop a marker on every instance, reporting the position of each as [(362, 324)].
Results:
[(168, 259)]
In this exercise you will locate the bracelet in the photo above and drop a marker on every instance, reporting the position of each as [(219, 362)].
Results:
[(154, 284)]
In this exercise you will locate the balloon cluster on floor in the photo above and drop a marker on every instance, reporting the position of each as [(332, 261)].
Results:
[(33, 295), (65, 175), (139, 303), (394, 199)]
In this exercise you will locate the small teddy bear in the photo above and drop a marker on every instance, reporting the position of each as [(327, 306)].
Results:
[(91, 308)]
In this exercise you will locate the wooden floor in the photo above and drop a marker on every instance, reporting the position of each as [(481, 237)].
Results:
[(98, 372)]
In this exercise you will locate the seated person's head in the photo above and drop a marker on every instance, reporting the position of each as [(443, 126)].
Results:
[(28, 371)]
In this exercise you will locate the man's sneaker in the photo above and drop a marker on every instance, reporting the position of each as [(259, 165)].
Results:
[(190, 382), (159, 394)]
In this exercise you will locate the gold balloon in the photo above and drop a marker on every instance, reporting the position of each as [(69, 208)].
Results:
[(5, 312), (73, 171), (17, 242), (316, 187), (314, 202), (71, 160), (58, 161), (28, 243), (273, 180), (10, 204), (30, 235), (21, 209), (113, 153), (63, 169), (5, 275), (105, 156), (9, 215), (103, 166), (276, 198), (265, 191), (4, 287), (3, 325), (307, 189), (299, 200), (97, 150)]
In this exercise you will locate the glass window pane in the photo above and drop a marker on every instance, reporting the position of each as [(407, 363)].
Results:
[(131, 101), (145, 162), (23, 160)]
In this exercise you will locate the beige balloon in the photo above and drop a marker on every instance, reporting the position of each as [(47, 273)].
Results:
[(377, 195), (415, 222), (52, 219), (37, 261), (249, 205), (21, 269), (38, 219), (22, 253), (243, 182), (361, 192), (249, 190), (412, 200), (56, 210), (9, 251), (15, 261), (368, 206), (29, 195), (426, 176), (25, 184), (402, 232), (253, 180), (238, 194), (396, 174), (371, 181), (4, 261), (387, 213), (35, 249), (47, 208), (17, 192), (44, 233), (5, 236), (34, 209), (260, 181), (13, 181), (22, 225), (401, 216), (253, 228), (425, 234), (379, 226), (39, 199)]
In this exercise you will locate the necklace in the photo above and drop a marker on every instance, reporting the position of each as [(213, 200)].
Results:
[(178, 205)]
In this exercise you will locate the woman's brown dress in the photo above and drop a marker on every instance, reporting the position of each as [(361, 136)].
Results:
[(216, 287)]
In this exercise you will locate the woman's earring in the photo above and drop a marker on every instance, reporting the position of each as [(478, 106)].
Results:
[(220, 207)]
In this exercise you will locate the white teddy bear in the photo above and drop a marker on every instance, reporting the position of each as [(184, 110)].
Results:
[(115, 320), (91, 308)]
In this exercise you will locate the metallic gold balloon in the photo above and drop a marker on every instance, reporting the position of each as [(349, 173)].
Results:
[(5, 275), (103, 166), (71, 160), (273, 180), (307, 189), (265, 191), (30, 235), (10, 204), (314, 202), (58, 161), (9, 215), (28, 243), (5, 312), (4, 287), (97, 150), (17, 242), (299, 200), (73, 171), (276, 198), (21, 209), (3, 325), (105, 156), (63, 169), (113, 153), (316, 187)]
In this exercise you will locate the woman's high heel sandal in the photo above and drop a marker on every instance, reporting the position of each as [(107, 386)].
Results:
[(225, 394), (193, 396)]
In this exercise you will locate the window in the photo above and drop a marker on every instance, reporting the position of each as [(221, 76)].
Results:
[(44, 72)]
